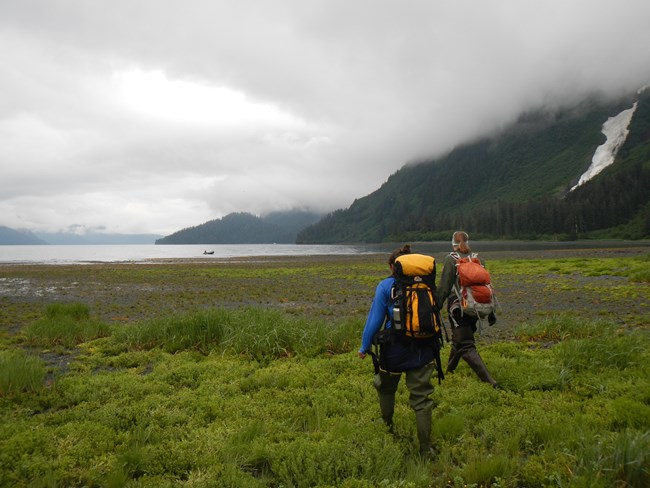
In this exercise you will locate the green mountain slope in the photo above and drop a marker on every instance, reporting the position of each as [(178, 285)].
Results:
[(245, 228), (511, 185)]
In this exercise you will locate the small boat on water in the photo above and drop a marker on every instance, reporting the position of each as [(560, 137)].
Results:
[(208, 252)]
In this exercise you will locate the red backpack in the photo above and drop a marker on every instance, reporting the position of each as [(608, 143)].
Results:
[(473, 287)]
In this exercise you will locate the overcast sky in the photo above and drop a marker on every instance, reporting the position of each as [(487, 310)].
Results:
[(148, 116)]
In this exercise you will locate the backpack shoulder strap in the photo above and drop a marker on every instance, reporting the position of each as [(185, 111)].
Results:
[(395, 292), (456, 286), (473, 258)]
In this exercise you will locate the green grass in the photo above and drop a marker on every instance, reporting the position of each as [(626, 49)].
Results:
[(65, 324), (75, 311), (266, 393), (20, 372), (634, 268), (253, 333)]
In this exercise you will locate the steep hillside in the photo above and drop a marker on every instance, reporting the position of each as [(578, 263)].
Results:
[(10, 236), (511, 185), (245, 228)]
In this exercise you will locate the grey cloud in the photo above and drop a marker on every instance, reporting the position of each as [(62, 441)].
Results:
[(373, 84)]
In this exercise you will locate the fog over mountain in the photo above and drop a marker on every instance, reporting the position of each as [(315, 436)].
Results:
[(148, 117), (579, 172)]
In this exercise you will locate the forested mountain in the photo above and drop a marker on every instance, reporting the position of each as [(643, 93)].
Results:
[(10, 236), (239, 228), (515, 184)]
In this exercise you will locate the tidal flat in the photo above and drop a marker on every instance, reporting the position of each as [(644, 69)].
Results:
[(589, 283), (243, 372)]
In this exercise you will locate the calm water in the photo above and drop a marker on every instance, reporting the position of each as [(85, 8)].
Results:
[(80, 254), (70, 254)]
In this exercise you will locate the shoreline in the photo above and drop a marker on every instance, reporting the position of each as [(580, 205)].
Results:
[(593, 252), (82, 255)]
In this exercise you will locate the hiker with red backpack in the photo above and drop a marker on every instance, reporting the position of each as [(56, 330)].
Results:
[(465, 284), (404, 327)]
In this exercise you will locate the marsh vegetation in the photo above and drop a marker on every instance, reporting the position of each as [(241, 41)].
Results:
[(244, 373)]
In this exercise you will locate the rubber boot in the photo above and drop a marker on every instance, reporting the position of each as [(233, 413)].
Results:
[(387, 407), (423, 424), (454, 357), (475, 361)]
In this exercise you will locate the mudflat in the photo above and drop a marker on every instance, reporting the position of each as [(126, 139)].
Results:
[(530, 285)]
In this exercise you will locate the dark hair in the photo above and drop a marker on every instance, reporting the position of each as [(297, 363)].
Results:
[(461, 239), (405, 249)]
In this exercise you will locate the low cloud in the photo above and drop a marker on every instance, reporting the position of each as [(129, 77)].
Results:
[(151, 117)]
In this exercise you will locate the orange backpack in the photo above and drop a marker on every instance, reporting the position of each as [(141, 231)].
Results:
[(473, 287)]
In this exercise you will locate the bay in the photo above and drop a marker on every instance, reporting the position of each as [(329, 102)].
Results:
[(143, 253)]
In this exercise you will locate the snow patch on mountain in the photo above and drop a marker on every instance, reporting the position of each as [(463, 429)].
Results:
[(616, 131)]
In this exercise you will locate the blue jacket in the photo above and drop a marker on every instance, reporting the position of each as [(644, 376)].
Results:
[(399, 355), (380, 310)]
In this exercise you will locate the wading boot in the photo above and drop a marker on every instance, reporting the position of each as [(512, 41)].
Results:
[(454, 358), (475, 361), (423, 424), (387, 407)]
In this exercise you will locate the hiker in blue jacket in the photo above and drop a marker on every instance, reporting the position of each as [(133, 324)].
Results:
[(463, 345), (399, 356)]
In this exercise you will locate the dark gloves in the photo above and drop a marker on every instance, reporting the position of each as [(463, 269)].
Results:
[(492, 319)]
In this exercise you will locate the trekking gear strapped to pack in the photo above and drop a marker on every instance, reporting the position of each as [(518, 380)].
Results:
[(415, 311), (416, 315), (473, 288)]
